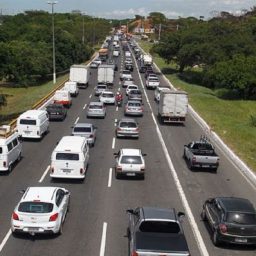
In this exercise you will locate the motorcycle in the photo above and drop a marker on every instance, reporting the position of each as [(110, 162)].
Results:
[(119, 102)]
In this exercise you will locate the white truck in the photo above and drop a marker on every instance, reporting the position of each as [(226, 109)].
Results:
[(147, 60), (79, 74), (106, 74), (72, 88), (173, 106)]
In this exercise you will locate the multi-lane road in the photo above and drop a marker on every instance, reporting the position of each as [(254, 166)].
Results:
[(97, 221)]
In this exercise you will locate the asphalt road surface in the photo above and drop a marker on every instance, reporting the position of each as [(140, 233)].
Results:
[(97, 221)]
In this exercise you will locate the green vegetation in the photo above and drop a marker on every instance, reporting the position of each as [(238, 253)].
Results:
[(233, 120)]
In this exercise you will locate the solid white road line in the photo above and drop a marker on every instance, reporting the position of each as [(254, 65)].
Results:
[(119, 89), (103, 239), (113, 143), (5, 239), (110, 178), (191, 218), (77, 120), (44, 174), (90, 96), (84, 106), (116, 108)]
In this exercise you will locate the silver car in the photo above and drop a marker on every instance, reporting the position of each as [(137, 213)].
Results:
[(129, 162), (135, 95), (85, 130), (96, 109), (133, 108), (100, 88), (127, 81), (127, 127)]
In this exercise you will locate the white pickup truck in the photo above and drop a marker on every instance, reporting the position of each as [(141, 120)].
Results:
[(201, 154)]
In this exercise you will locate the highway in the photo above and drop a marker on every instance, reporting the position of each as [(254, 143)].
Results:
[(97, 221)]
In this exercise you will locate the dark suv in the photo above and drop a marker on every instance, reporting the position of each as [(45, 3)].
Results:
[(232, 220), (56, 111)]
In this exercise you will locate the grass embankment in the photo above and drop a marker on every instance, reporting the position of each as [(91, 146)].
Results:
[(21, 99), (230, 119)]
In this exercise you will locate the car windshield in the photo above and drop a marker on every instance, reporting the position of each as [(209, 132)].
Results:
[(54, 107), (82, 129), (101, 87), (95, 107), (67, 156), (108, 95), (152, 78), (28, 121), (126, 72), (160, 227), (35, 207), (128, 124), (134, 104), (131, 160), (241, 218)]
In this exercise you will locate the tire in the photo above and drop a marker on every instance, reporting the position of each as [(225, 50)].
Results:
[(118, 176), (190, 166), (60, 231), (19, 157), (10, 168), (215, 238)]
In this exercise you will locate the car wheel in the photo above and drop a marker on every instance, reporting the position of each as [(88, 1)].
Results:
[(118, 176), (190, 166), (19, 157), (60, 231), (215, 238), (10, 168)]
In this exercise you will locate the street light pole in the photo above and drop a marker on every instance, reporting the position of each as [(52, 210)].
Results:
[(83, 29), (52, 3)]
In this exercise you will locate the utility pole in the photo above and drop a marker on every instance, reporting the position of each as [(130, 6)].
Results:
[(159, 32), (52, 3)]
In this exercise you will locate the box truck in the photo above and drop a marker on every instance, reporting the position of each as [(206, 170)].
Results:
[(79, 74), (106, 74)]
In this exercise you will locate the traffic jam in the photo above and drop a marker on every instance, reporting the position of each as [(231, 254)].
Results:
[(133, 115)]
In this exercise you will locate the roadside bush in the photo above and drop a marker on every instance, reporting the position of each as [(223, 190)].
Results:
[(227, 94)]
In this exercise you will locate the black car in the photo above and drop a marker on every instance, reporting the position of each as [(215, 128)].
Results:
[(129, 66), (56, 111), (231, 219)]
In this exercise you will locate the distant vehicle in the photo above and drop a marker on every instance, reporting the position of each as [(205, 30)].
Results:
[(127, 127), (96, 109), (152, 82), (85, 130), (133, 108), (33, 124), (156, 231), (116, 53), (130, 162), (129, 66), (72, 88), (56, 111), (147, 60), (100, 88), (125, 74), (149, 71), (41, 210), (107, 97), (62, 97), (157, 92), (232, 220), (201, 154), (98, 61), (94, 64), (127, 81), (80, 74), (131, 87), (127, 54), (106, 74), (103, 54), (69, 159), (173, 106), (135, 94), (10, 149)]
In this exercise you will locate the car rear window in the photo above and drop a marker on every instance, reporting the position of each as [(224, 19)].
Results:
[(101, 87), (95, 107), (126, 72), (134, 104), (241, 218), (35, 207), (135, 92), (131, 160), (160, 227), (67, 156), (82, 129), (128, 124), (28, 121)]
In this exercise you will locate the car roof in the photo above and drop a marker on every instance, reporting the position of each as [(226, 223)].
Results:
[(130, 151), (128, 120), (98, 103), (158, 213), (83, 125), (44, 194), (134, 101), (107, 92), (234, 204)]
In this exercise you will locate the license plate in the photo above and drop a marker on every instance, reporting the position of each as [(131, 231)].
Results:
[(27, 132), (66, 170), (241, 240), (130, 174), (33, 229)]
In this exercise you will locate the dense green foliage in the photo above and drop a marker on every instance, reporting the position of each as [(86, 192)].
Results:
[(26, 44), (223, 50)]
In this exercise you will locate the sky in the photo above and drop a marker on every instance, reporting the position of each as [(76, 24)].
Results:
[(120, 9)]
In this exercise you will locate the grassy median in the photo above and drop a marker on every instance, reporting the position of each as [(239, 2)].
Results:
[(230, 119)]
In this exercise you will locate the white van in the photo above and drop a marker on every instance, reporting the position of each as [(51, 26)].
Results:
[(10, 149), (62, 97), (70, 158), (33, 124), (72, 88)]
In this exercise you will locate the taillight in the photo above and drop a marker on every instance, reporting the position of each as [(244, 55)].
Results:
[(54, 217), (142, 168), (91, 136), (137, 129), (223, 228), (52, 170), (119, 168), (37, 132), (81, 170), (118, 129), (135, 254), (4, 164), (15, 216), (193, 159)]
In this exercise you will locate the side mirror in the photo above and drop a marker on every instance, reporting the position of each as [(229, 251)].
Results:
[(209, 200), (181, 215), (66, 193), (131, 211), (144, 154), (22, 191), (115, 154)]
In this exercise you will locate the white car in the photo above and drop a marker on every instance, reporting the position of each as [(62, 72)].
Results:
[(116, 53), (100, 88), (152, 82), (41, 210), (125, 74), (157, 92), (126, 82), (129, 162), (131, 87), (107, 97), (96, 109)]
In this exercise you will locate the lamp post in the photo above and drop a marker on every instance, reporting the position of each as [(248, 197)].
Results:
[(83, 28), (52, 3)]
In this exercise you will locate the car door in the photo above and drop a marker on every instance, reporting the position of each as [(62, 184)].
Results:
[(134, 224), (61, 202), (214, 214)]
